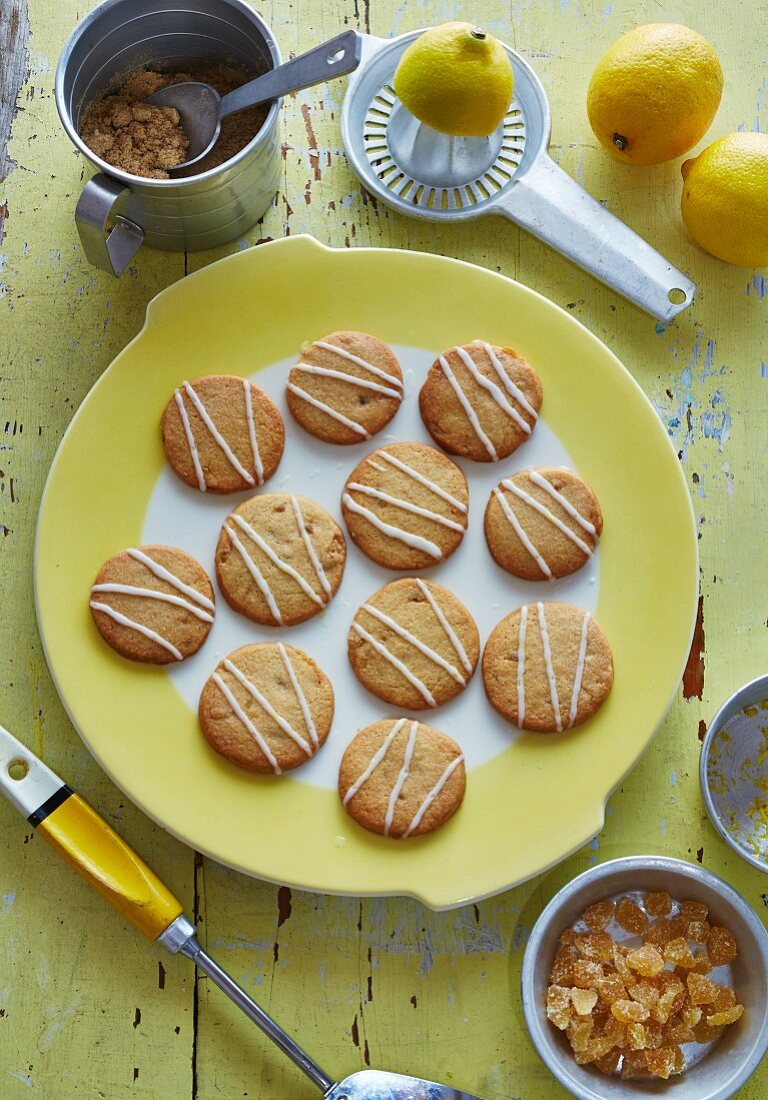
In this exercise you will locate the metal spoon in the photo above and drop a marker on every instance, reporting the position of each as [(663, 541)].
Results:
[(201, 108)]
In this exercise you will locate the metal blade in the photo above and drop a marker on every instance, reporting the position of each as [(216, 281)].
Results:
[(376, 1084), (24, 780)]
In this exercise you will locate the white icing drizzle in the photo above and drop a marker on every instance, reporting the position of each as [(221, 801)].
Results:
[(410, 539), (467, 407), (234, 461), (416, 642), (544, 511), (492, 389), (265, 704), (258, 465), (153, 594), (246, 721), (333, 413), (406, 505), (123, 620), (375, 760), (190, 441), (344, 354), (564, 503), (578, 678), (512, 389), (521, 666), (352, 379), (283, 566), (441, 618), (522, 535), (430, 798), (164, 574), (256, 573), (380, 648), (301, 697), (401, 778), (410, 472), (317, 565), (550, 666)]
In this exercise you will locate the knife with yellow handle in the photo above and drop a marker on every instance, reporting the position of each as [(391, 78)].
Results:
[(111, 867)]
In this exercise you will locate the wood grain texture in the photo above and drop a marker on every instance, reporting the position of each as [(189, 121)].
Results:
[(86, 1007)]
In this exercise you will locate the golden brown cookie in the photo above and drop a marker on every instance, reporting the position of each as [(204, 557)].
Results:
[(153, 604), (547, 667), (480, 401), (414, 644), (542, 524), (345, 387), (267, 707), (222, 434), (401, 778), (279, 559), (406, 506)]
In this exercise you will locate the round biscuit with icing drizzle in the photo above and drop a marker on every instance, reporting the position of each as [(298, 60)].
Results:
[(279, 559), (267, 707), (401, 778), (480, 401), (547, 667), (543, 523), (345, 387), (406, 506), (414, 644), (222, 434), (153, 604)]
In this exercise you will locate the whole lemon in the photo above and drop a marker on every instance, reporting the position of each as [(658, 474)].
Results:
[(725, 199), (654, 93), (456, 79)]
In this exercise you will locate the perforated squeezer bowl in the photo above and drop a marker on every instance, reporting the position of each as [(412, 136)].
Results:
[(419, 172)]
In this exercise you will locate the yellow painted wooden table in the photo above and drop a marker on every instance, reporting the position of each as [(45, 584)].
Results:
[(86, 1007)]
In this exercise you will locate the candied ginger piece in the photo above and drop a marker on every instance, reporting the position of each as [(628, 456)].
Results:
[(659, 933), (595, 1048), (579, 1035), (679, 1061), (654, 1035), (615, 1031), (609, 1062), (706, 1034), (691, 1014), (559, 1006), (678, 926), (628, 1012), (611, 988), (630, 916), (678, 1034), (661, 1062), (645, 993), (703, 963), (698, 931), (583, 1000), (679, 953), (568, 938), (595, 945), (634, 1064), (562, 968), (620, 962), (636, 1036), (597, 916), (727, 1016), (701, 990), (670, 1001), (587, 973), (658, 904), (646, 960), (724, 998), (722, 946), (693, 910)]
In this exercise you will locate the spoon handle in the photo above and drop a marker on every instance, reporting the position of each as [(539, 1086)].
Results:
[(336, 57)]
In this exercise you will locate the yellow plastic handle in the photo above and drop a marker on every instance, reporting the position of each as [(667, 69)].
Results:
[(113, 869)]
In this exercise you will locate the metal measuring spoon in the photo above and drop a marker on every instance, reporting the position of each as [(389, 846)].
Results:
[(201, 108)]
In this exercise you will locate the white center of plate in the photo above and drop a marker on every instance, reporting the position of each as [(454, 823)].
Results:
[(180, 516)]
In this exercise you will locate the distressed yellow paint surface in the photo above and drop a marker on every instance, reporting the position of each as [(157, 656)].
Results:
[(85, 1009)]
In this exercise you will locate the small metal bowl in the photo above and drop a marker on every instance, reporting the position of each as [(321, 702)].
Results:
[(734, 1057), (733, 772)]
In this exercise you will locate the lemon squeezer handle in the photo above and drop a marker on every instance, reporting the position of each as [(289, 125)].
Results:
[(84, 839)]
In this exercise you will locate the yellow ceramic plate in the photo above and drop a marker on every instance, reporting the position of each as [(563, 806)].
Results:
[(531, 799)]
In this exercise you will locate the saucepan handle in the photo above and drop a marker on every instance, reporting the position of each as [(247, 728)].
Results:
[(113, 248), (554, 208)]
